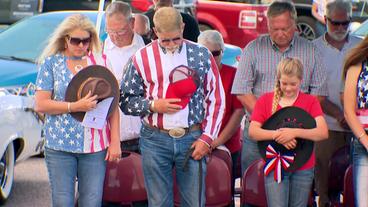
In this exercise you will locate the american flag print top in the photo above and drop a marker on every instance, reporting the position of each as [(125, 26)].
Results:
[(362, 95)]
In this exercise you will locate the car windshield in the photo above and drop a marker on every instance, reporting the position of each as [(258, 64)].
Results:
[(362, 31), (26, 39)]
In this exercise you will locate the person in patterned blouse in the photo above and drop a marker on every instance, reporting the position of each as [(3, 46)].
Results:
[(172, 127), (71, 149), (356, 114)]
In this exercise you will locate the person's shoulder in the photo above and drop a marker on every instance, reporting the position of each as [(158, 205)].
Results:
[(266, 96), (230, 70), (262, 41), (318, 40), (307, 97), (138, 40)]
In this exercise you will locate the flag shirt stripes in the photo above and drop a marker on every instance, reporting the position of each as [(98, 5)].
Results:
[(147, 78)]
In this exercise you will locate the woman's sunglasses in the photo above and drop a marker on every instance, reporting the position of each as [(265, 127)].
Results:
[(76, 41)]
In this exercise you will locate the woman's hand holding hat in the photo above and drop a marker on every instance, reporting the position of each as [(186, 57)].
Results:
[(86, 103)]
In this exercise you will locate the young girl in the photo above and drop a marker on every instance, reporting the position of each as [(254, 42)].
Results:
[(295, 186)]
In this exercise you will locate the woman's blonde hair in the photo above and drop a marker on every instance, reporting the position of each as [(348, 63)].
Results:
[(288, 67), (56, 42)]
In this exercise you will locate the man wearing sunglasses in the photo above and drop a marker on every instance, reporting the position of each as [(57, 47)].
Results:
[(333, 45), (120, 45), (176, 132)]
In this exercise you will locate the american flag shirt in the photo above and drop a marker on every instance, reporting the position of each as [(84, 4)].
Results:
[(147, 78), (62, 131), (362, 95)]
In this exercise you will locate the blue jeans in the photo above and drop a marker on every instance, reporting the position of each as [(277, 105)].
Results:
[(250, 152), (293, 190), (160, 154), (65, 167), (360, 173)]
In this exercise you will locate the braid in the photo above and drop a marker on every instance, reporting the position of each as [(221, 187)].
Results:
[(276, 96)]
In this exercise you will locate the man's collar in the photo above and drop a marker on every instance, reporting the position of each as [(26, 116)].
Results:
[(110, 45), (274, 45), (165, 51)]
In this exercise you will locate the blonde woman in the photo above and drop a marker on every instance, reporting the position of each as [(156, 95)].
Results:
[(68, 151), (295, 187), (355, 109)]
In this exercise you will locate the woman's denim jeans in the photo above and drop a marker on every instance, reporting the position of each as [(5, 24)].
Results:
[(65, 167), (293, 190), (360, 174), (160, 153)]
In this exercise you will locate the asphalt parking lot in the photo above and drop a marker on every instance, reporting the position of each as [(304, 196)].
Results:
[(31, 185)]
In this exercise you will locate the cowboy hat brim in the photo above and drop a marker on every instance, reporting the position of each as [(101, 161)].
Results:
[(290, 117), (97, 71)]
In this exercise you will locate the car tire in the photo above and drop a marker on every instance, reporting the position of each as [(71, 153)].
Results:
[(307, 27), (204, 27), (7, 163)]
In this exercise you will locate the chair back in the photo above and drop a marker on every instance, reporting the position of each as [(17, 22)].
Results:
[(124, 182), (338, 164), (348, 188), (253, 187), (218, 184)]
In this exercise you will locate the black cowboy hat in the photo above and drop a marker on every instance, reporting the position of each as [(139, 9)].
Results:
[(290, 117), (97, 79)]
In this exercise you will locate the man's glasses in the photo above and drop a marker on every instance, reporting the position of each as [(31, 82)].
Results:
[(76, 40), (337, 23), (119, 32), (216, 53), (175, 40)]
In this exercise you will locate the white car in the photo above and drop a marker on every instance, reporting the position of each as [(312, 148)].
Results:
[(21, 136)]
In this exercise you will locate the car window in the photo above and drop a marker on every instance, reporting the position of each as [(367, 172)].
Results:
[(26, 39), (360, 8)]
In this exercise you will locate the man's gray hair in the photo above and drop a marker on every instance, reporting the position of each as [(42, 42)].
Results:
[(119, 7), (279, 7), (339, 5), (211, 37)]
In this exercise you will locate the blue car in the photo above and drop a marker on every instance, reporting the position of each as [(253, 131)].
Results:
[(22, 43)]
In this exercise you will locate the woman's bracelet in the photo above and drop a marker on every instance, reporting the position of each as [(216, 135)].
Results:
[(361, 135), (69, 109)]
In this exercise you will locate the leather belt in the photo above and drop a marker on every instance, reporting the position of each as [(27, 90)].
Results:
[(177, 132)]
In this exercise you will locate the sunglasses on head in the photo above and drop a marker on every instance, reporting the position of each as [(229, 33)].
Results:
[(77, 41), (167, 41), (216, 53), (337, 23)]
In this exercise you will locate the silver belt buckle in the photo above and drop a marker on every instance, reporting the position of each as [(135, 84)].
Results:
[(177, 132)]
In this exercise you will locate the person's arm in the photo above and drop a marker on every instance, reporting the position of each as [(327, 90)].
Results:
[(258, 134), (248, 101), (318, 84), (215, 101), (231, 126), (244, 79), (114, 150), (316, 134), (333, 110), (132, 100), (350, 104)]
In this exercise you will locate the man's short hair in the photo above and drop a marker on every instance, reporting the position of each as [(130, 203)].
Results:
[(339, 5), (167, 19), (119, 7), (279, 7)]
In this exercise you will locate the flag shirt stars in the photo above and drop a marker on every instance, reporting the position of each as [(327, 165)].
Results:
[(62, 131)]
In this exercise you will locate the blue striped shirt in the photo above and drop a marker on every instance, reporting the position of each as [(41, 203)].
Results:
[(257, 69)]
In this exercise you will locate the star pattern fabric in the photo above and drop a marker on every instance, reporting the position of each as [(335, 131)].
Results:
[(62, 131), (362, 88)]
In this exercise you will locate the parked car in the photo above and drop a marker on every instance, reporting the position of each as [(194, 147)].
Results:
[(362, 30), (21, 136)]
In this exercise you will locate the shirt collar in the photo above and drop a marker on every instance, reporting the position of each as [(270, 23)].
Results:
[(110, 45), (275, 47), (348, 39)]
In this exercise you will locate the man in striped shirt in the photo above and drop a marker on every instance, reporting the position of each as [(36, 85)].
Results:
[(256, 73), (170, 129)]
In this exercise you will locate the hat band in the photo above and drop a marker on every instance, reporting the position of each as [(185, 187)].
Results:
[(277, 162)]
